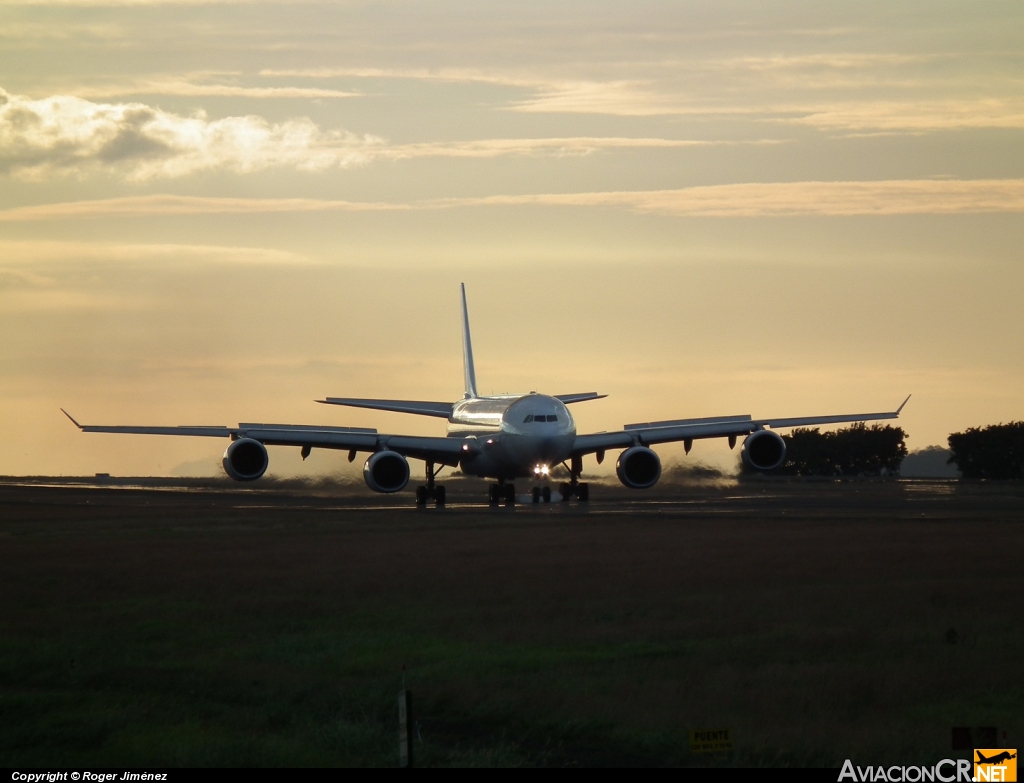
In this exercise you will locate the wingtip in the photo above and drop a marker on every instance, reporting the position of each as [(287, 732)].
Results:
[(71, 417), (899, 409)]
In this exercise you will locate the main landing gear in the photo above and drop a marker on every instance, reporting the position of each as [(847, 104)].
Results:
[(496, 493), (542, 493), (431, 490), (575, 487), (503, 492)]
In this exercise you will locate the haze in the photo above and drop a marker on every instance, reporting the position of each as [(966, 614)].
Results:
[(213, 212)]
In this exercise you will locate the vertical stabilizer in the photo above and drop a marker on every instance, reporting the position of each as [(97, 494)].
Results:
[(467, 349)]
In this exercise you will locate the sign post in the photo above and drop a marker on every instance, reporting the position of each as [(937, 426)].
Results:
[(404, 738)]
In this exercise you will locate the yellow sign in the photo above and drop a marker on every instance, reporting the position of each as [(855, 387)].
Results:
[(995, 764), (710, 740)]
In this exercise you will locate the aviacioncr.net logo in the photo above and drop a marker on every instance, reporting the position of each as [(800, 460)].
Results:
[(946, 771)]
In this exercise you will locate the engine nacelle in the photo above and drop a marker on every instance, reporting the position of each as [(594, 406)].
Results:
[(638, 468), (764, 450), (246, 460), (386, 471)]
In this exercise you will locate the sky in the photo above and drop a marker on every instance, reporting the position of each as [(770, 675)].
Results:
[(218, 212)]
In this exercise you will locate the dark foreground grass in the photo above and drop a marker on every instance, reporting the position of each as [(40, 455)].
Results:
[(817, 622)]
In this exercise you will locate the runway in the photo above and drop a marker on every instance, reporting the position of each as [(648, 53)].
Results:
[(897, 498), (207, 624)]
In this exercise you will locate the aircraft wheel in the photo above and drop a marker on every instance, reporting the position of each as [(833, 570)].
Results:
[(421, 496), (493, 494), (565, 491), (583, 492), (536, 494), (510, 494), (439, 495), (546, 494)]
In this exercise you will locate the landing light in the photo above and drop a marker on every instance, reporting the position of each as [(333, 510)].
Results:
[(540, 470)]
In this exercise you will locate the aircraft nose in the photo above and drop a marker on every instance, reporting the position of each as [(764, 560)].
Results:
[(552, 449)]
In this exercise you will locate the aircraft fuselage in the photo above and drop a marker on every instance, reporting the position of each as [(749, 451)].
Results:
[(519, 435)]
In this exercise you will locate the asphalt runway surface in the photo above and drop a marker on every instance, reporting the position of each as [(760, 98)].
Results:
[(841, 499)]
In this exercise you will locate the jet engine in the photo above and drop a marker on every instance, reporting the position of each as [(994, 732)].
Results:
[(763, 450), (638, 468), (246, 460), (386, 471)]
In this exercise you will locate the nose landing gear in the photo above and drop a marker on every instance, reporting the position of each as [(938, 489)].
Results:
[(542, 493), (431, 490), (575, 487)]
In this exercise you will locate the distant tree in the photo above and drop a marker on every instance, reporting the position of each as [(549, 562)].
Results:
[(993, 452), (808, 453), (852, 451), (870, 450), (929, 462)]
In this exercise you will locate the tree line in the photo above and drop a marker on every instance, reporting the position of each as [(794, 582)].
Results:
[(993, 452), (858, 450)]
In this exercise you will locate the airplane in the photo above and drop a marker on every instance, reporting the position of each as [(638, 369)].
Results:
[(1004, 756), (501, 437)]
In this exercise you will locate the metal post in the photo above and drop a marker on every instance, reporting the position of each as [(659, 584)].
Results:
[(404, 736)]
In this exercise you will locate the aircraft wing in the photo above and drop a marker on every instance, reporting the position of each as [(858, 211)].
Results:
[(650, 433), (443, 450), (569, 399)]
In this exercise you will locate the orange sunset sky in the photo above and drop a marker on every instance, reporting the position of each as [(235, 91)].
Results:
[(213, 212)]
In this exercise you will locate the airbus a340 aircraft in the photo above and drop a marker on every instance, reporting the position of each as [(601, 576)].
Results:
[(505, 437)]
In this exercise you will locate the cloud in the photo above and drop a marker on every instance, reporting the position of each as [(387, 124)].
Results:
[(638, 99), (818, 60), (570, 145), (454, 75), (914, 116), (622, 97), (632, 99), (165, 205), (69, 135), (28, 252), (749, 75), (123, 2), (754, 199), (776, 199), (63, 135), (192, 89), (752, 77)]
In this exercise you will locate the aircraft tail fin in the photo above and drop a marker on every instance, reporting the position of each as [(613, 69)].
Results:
[(467, 349)]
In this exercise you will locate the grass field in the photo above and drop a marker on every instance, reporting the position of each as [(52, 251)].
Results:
[(817, 621)]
